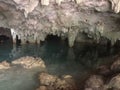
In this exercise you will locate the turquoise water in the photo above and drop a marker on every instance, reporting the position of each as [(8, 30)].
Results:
[(58, 57), (57, 53)]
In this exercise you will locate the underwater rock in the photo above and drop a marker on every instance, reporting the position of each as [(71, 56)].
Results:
[(30, 62), (95, 82), (4, 65), (52, 82)]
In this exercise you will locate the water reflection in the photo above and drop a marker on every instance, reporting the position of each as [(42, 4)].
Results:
[(58, 57)]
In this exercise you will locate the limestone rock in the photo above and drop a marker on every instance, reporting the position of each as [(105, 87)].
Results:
[(116, 65), (95, 82), (46, 79), (42, 88), (30, 62), (4, 65), (115, 83), (27, 5), (54, 83), (78, 1), (32, 22), (59, 1), (115, 5)]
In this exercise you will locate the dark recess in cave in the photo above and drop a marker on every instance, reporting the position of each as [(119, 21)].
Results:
[(53, 38), (5, 35)]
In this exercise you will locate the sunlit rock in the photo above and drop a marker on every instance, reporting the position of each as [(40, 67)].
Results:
[(30, 62), (4, 65), (45, 2)]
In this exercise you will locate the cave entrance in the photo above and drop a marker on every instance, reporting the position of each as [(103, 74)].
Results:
[(53, 38), (5, 35)]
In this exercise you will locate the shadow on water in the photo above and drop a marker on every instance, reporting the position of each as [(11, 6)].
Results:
[(59, 58)]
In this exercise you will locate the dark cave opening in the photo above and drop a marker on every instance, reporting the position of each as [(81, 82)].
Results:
[(5, 35), (55, 40), (52, 38), (3, 38), (18, 41)]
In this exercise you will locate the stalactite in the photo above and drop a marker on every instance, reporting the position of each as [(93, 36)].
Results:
[(45, 2), (78, 1), (72, 34), (59, 1), (13, 33)]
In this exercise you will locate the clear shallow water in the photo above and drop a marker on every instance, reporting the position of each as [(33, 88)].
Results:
[(59, 59)]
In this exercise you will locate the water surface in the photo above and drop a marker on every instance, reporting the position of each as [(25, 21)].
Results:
[(58, 57)]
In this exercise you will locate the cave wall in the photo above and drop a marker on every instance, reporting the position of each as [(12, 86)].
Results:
[(33, 20)]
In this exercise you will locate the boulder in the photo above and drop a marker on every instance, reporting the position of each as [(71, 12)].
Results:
[(52, 82), (4, 65), (30, 62), (46, 79), (116, 65), (114, 83)]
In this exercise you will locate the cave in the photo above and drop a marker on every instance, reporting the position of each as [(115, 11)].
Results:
[(69, 44)]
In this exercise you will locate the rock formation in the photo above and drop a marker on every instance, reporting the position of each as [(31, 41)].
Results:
[(33, 20), (30, 62), (51, 82), (26, 62), (4, 65)]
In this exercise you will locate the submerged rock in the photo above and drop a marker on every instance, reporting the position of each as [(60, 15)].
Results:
[(4, 65), (51, 82), (30, 62)]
